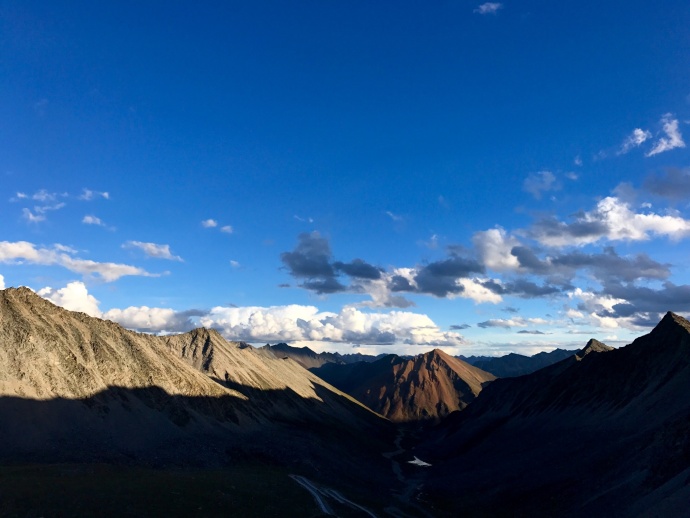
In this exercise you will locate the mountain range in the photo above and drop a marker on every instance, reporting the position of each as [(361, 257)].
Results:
[(77, 389), (513, 364), (603, 432), (426, 387)]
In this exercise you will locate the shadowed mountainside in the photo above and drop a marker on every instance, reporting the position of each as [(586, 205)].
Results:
[(603, 433), (426, 387), (74, 388)]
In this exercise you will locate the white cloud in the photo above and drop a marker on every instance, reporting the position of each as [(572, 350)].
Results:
[(540, 182), (58, 255), (227, 229), (152, 319), (2, 282), (88, 195), (31, 217), (635, 139), (578, 160), (488, 8), (612, 219), (153, 250), (476, 292), (74, 297), (44, 196), (306, 323), (234, 264), (209, 223), (673, 137), (42, 209), (595, 304), (92, 220), (494, 247)]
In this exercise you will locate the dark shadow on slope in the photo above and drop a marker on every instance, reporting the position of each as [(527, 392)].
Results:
[(592, 435), (333, 440)]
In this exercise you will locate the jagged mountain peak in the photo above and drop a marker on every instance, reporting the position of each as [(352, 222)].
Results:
[(594, 346), (672, 321)]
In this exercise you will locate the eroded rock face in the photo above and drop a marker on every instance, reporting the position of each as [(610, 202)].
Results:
[(426, 387)]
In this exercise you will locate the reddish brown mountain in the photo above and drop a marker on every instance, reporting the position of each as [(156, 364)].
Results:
[(426, 387)]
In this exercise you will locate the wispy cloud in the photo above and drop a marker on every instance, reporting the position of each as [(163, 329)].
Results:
[(31, 217), (59, 255), (227, 229), (488, 8), (538, 183), (153, 250), (635, 139), (209, 223), (88, 195), (394, 217), (673, 138)]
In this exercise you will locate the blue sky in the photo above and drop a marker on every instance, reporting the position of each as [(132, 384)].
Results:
[(352, 176)]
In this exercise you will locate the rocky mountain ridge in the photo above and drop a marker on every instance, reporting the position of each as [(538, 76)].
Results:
[(426, 387)]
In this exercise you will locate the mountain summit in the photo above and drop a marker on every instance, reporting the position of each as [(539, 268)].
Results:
[(606, 433), (74, 387), (425, 387)]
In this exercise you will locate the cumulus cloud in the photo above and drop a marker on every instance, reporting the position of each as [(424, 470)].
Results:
[(153, 250), (606, 266), (445, 277), (155, 320), (673, 138), (227, 229), (307, 323), (74, 297), (311, 261), (635, 139), (359, 269), (2, 282), (613, 220), (19, 252), (209, 223), (488, 8), (494, 247), (93, 220), (538, 183)]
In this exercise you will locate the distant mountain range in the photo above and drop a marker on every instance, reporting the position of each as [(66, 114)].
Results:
[(426, 387), (310, 359), (603, 432), (513, 364)]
